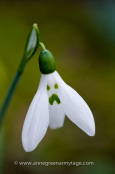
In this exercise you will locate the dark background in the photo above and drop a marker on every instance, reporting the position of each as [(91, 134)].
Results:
[(81, 36)]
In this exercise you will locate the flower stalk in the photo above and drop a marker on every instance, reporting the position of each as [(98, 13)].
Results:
[(9, 95), (30, 49), (42, 46)]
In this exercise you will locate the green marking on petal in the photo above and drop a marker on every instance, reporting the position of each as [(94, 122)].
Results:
[(53, 98), (48, 87), (56, 86)]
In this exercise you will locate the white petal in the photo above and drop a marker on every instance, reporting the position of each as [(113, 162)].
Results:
[(37, 118), (56, 116), (56, 113), (75, 107)]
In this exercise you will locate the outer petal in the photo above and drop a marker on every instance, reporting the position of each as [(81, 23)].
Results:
[(75, 107), (37, 118), (56, 113)]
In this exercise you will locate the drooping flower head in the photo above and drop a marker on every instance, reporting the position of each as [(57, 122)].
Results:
[(53, 100)]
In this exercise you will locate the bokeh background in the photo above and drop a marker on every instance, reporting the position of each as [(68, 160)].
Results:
[(81, 36)]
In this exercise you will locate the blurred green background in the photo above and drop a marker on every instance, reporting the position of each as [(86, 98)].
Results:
[(81, 36)]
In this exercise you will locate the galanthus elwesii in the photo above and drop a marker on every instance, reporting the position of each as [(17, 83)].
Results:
[(53, 100)]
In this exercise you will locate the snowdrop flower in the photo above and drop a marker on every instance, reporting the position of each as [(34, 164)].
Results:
[(53, 100)]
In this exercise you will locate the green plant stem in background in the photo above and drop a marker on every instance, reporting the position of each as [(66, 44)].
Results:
[(30, 49)]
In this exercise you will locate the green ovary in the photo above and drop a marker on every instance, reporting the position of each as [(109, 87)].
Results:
[(53, 98)]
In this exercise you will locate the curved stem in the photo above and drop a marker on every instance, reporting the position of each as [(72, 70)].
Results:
[(42, 46)]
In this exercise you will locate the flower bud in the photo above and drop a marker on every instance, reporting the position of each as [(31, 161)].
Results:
[(32, 42), (30, 47)]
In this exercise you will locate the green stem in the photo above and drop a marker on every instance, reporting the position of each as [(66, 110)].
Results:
[(42, 46), (9, 95), (30, 49)]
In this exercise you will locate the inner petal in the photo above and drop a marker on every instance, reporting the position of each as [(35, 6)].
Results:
[(56, 116), (52, 90), (56, 113)]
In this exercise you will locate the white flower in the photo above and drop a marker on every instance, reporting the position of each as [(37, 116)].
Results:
[(53, 100)]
